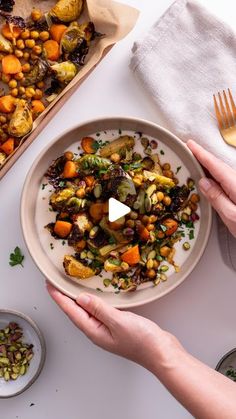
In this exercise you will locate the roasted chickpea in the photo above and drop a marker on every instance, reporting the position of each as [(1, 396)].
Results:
[(20, 44), (194, 198), (69, 155), (150, 227), (160, 196), (151, 273), (167, 200), (36, 15), (80, 245), (34, 34), (40, 84), (6, 78), (156, 264), (166, 166), (29, 92), (165, 251), (145, 219), (168, 173), (80, 193), (37, 50), (153, 218), (26, 56), (38, 94), (26, 68), (14, 92), (12, 84), (30, 43), (133, 215), (18, 53), (25, 34), (19, 76), (130, 223), (44, 36), (160, 234), (3, 119), (115, 157), (21, 90)]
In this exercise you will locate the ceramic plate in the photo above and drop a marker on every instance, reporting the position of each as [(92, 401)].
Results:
[(31, 335), (48, 253)]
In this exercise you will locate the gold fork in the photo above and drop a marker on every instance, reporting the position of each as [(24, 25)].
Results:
[(226, 117)]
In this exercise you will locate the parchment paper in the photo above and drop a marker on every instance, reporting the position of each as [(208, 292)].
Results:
[(110, 18)]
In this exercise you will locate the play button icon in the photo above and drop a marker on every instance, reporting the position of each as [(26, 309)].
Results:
[(116, 210)]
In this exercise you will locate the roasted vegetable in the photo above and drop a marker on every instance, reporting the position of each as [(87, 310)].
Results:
[(148, 163), (116, 146), (96, 211), (70, 170), (5, 45), (131, 256), (55, 169), (82, 222), (64, 71), (21, 122), (179, 196), (67, 10), (163, 181), (52, 50), (59, 199), (75, 205), (76, 269), (89, 145), (7, 5), (37, 73), (91, 162), (8, 146), (7, 104), (3, 157), (62, 228), (37, 107), (57, 31), (11, 31), (115, 265), (170, 225), (11, 64)]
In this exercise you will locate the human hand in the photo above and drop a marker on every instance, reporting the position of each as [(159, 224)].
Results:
[(121, 332), (221, 190)]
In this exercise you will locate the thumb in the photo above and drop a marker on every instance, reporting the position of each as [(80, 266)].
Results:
[(98, 308)]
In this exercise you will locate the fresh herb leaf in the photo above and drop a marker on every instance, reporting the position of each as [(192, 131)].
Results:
[(99, 289), (191, 235), (16, 258), (62, 183), (112, 240), (189, 224), (178, 169), (98, 134), (164, 228), (44, 186), (63, 242), (51, 246), (132, 166), (120, 132), (162, 152)]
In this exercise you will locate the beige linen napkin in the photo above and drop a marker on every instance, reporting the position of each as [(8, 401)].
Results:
[(186, 57)]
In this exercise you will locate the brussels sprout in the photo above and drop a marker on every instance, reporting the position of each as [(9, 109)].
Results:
[(93, 162), (37, 73), (21, 122), (179, 196), (59, 199), (67, 10), (163, 181), (64, 71), (72, 37), (75, 205), (125, 188)]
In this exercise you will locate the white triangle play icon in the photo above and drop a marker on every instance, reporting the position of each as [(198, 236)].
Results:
[(116, 209)]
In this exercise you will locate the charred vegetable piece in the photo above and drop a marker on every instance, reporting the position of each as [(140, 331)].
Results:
[(59, 199), (72, 37), (67, 10), (179, 196), (5, 45), (148, 163), (123, 142), (91, 162), (17, 21), (64, 71), (21, 122), (7, 5), (171, 226), (37, 73), (56, 168), (75, 205), (89, 145), (163, 181), (76, 269)]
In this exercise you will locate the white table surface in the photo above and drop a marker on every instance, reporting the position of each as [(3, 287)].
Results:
[(79, 380)]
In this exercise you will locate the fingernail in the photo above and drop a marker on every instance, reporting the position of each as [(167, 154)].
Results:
[(205, 184), (83, 299)]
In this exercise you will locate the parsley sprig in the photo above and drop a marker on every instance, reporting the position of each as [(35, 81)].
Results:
[(16, 258)]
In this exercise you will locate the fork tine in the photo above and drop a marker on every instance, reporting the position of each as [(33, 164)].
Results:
[(228, 110), (222, 108), (232, 104), (218, 114)]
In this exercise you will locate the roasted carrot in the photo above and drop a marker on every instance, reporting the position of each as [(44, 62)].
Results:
[(89, 180), (131, 256), (7, 104), (62, 228), (11, 32), (8, 146), (52, 49), (11, 64), (171, 226), (37, 107), (89, 145), (143, 232), (57, 31), (70, 169), (96, 211)]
